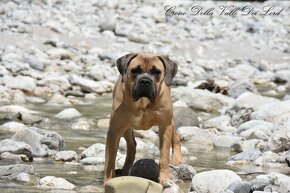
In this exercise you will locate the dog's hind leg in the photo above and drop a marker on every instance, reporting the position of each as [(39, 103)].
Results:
[(131, 151)]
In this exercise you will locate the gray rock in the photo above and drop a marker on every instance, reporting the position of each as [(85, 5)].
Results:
[(251, 100), (202, 99), (241, 70), (240, 187), (243, 115), (55, 83), (266, 158), (138, 37), (184, 117), (16, 147), (171, 187), (24, 83), (221, 123), (34, 62), (60, 53), (7, 158), (12, 127), (213, 181), (52, 182), (260, 182), (145, 168), (90, 85), (65, 156), (82, 124), (146, 134), (279, 182), (68, 113), (91, 188), (107, 25), (241, 86), (182, 172), (43, 142), (136, 184), (246, 145), (197, 135), (256, 129), (282, 76), (93, 160), (103, 72), (272, 112), (10, 172), (279, 141), (16, 109), (95, 150), (25, 177), (226, 141), (142, 146), (247, 156)]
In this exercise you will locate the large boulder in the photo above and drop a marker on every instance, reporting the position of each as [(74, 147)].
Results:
[(213, 181), (43, 142)]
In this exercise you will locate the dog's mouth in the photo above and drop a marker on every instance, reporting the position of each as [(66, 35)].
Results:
[(150, 96), (148, 92)]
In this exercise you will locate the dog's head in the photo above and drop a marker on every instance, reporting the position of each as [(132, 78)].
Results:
[(145, 73)]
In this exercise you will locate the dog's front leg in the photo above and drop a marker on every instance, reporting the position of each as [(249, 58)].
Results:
[(165, 139), (114, 134)]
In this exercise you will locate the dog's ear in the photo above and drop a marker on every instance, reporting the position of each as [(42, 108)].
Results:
[(170, 69), (123, 62)]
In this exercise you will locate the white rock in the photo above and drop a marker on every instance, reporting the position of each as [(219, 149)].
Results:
[(247, 100), (65, 156), (16, 109), (23, 83), (197, 135), (60, 53), (88, 85), (13, 126), (272, 111), (146, 134), (103, 123), (256, 129), (213, 181), (221, 123), (52, 182), (23, 177), (279, 183), (202, 99), (69, 113), (226, 141)]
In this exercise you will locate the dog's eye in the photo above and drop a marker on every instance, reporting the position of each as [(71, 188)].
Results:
[(155, 72), (136, 71)]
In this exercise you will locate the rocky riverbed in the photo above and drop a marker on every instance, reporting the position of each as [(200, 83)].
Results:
[(231, 94)]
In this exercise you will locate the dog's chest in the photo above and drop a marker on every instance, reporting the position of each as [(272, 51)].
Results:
[(145, 119)]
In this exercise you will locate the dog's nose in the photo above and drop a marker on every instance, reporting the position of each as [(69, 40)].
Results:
[(145, 82)]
